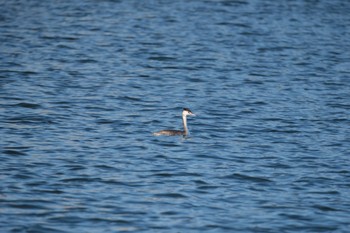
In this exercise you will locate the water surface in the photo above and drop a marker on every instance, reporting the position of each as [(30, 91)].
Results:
[(83, 85)]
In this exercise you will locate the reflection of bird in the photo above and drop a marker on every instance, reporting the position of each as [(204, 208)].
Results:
[(185, 112)]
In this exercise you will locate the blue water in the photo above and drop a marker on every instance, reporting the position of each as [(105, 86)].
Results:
[(83, 85)]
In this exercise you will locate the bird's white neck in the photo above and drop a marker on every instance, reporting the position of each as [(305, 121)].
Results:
[(184, 121)]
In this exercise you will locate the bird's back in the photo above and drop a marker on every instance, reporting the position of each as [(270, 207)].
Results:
[(169, 133)]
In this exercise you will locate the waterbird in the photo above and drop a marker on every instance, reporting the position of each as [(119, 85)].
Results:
[(185, 112)]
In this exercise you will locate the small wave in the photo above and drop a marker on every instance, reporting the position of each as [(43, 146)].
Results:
[(28, 105), (13, 152), (247, 178), (170, 195)]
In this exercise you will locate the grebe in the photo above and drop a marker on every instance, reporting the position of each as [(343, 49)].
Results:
[(185, 112)]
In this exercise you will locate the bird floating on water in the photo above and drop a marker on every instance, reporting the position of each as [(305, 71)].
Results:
[(185, 112)]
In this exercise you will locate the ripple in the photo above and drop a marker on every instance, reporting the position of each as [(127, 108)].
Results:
[(28, 105), (162, 58), (325, 208), (170, 195), (13, 152), (242, 177), (30, 119)]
